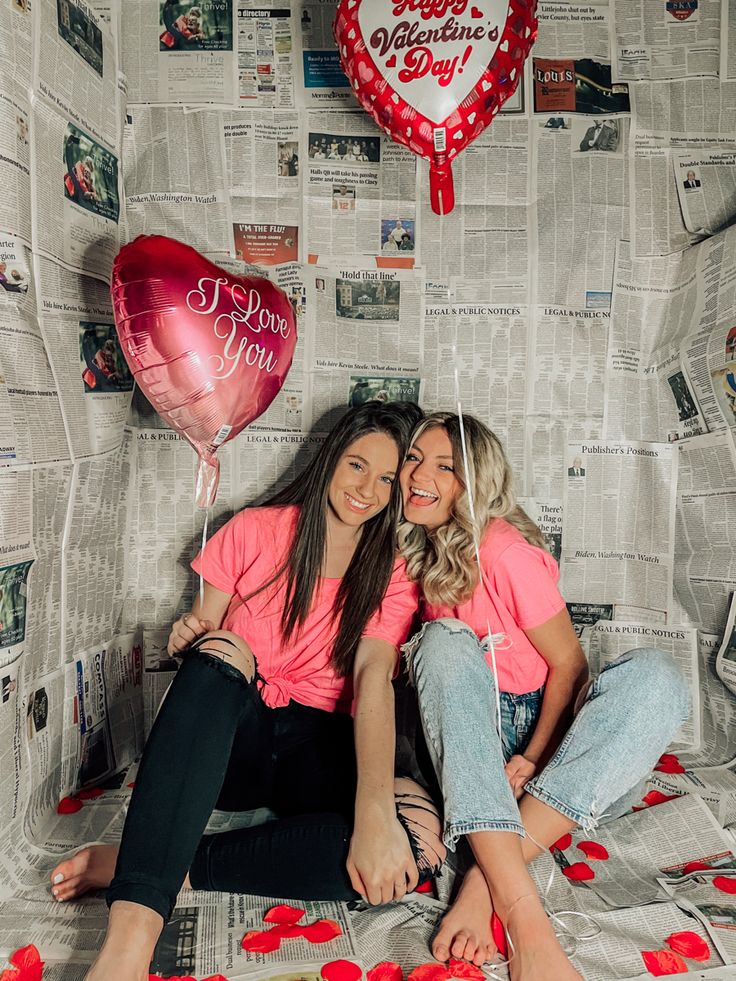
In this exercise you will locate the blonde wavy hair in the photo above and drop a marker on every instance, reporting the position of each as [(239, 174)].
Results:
[(443, 561)]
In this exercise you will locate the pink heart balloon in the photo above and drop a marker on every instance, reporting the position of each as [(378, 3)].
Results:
[(208, 349)]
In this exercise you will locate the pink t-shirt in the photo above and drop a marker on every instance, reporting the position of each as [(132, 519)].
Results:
[(240, 558), (519, 592)]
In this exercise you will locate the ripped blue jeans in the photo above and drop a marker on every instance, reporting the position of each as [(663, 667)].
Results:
[(628, 716)]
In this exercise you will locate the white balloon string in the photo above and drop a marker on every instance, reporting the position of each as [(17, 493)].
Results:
[(476, 539), (201, 560)]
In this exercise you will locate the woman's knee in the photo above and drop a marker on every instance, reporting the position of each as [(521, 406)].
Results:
[(659, 682), (422, 822), (442, 642), (230, 648)]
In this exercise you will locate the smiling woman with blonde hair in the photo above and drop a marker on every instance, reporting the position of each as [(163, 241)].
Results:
[(524, 746)]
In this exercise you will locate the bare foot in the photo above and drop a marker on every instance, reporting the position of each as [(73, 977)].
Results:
[(537, 955), (465, 930), (91, 868)]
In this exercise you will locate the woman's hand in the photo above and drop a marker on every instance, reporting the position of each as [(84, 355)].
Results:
[(185, 631), (380, 863), (519, 771)]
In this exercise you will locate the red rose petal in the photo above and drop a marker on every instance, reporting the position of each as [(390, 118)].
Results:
[(579, 872), (427, 886), (386, 971), (689, 944), (724, 884), (341, 971), (669, 763), (215, 977), (695, 867), (283, 914), (591, 849), (260, 941), (10, 974), (69, 805), (287, 930), (462, 969), (321, 931), (562, 843), (430, 972), (655, 797), (499, 935), (132, 783), (90, 793), (662, 962)]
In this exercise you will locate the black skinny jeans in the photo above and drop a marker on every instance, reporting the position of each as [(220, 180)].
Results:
[(216, 744)]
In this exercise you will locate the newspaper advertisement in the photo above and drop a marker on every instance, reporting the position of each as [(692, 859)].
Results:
[(359, 191), (706, 189), (177, 52), (15, 163), (710, 898), (581, 189), (265, 54), (671, 40), (485, 240), (687, 116), (607, 556), (31, 422), (76, 194), (320, 78), (487, 347), (610, 640)]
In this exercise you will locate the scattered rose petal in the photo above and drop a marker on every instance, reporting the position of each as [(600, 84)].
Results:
[(499, 935), (287, 930), (669, 763), (430, 972), (662, 962), (89, 793), (215, 977), (724, 884), (386, 971), (260, 941), (321, 931), (463, 969), (562, 843), (132, 783), (10, 974), (579, 872), (29, 963), (427, 886), (69, 805), (655, 797), (341, 971), (689, 944), (283, 914), (591, 849), (695, 867)]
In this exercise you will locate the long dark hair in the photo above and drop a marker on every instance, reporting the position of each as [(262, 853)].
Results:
[(367, 577)]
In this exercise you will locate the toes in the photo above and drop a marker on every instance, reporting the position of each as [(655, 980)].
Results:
[(68, 889), (440, 950), (65, 870), (459, 945)]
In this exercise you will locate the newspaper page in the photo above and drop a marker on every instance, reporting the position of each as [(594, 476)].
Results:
[(175, 177), (266, 57), (609, 640), (710, 898), (18, 556), (76, 69), (728, 39), (608, 557), (687, 116), (581, 190), (648, 393), (672, 40), (706, 189), (171, 54), (31, 420), (485, 238), (320, 79), (642, 845), (573, 30), (726, 658), (15, 158), (263, 167), (545, 450), (16, 46), (487, 347), (84, 350), (76, 194), (359, 191), (265, 462), (717, 711)]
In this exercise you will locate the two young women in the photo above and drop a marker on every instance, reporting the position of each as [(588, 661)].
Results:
[(315, 604)]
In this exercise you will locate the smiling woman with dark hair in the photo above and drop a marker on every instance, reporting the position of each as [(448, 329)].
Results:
[(313, 603)]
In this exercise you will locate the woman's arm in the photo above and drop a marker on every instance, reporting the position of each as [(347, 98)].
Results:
[(380, 864), (558, 644), (202, 618)]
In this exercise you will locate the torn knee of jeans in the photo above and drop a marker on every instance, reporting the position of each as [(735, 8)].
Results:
[(231, 650), (420, 818)]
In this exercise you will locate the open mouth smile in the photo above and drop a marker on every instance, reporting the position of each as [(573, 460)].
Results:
[(356, 505)]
